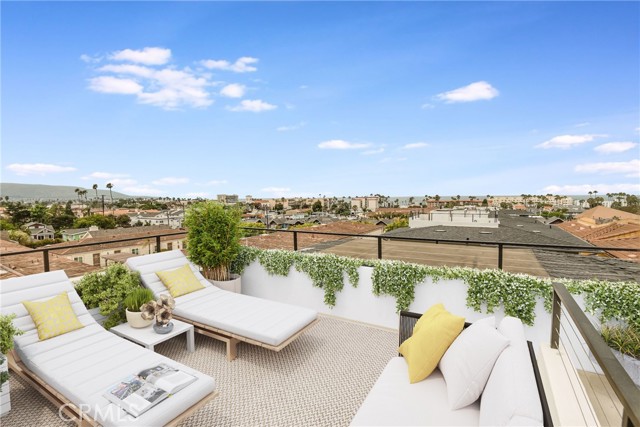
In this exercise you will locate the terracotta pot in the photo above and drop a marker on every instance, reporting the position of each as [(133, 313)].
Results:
[(136, 321)]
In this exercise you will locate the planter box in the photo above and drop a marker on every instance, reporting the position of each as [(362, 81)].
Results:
[(233, 285), (5, 400), (630, 364)]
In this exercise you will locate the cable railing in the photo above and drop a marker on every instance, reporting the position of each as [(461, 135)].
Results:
[(295, 234), (605, 393)]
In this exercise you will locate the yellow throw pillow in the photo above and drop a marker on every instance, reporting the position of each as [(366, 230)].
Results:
[(53, 317), (432, 336), (180, 281)]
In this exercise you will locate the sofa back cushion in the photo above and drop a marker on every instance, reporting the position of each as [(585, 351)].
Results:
[(511, 394), (468, 362)]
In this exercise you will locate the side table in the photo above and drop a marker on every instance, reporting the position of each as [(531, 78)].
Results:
[(148, 338)]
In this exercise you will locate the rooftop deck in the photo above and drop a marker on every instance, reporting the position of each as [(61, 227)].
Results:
[(320, 379)]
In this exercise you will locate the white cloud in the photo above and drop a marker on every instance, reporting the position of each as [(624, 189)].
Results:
[(473, 92), (581, 125), (277, 191), (170, 180), (427, 106), (615, 147), (253, 105), (393, 159), (90, 59), (292, 127), (148, 55), (415, 145), (567, 141), (142, 190), (136, 70), (585, 188), (303, 87), (195, 195), (630, 168), (122, 182), (168, 88), (240, 66), (372, 152), (217, 182), (233, 90), (105, 175), (339, 144), (109, 84), (37, 168)]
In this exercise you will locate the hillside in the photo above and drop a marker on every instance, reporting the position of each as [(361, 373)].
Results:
[(31, 192)]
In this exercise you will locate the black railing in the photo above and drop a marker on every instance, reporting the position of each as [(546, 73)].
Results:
[(621, 383), (499, 245), (380, 238)]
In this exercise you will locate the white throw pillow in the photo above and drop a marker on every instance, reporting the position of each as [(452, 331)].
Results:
[(468, 362), (511, 395)]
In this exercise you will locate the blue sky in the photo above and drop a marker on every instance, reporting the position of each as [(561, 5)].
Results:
[(274, 99)]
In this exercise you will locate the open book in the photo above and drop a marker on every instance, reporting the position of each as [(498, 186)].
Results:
[(138, 393)]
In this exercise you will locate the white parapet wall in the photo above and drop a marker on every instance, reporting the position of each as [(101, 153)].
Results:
[(360, 304)]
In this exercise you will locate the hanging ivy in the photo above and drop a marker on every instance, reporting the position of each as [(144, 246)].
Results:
[(487, 289)]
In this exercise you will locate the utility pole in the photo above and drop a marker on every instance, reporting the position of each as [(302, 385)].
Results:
[(103, 205)]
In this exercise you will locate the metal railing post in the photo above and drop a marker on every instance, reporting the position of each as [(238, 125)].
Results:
[(45, 255), (157, 243), (500, 248), (380, 247), (295, 240), (555, 320)]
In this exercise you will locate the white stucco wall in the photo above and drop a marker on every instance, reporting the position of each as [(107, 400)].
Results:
[(361, 305)]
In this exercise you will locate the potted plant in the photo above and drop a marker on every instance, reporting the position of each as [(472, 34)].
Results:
[(107, 290), (132, 303), (624, 342), (213, 241), (7, 332)]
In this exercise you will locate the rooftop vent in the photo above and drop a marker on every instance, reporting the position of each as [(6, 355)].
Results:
[(441, 231), (536, 231), (519, 225), (486, 232)]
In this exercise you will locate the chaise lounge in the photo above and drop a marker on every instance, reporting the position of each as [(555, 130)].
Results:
[(224, 315), (73, 370)]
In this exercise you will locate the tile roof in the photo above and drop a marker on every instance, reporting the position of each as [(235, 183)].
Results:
[(607, 213), (25, 264)]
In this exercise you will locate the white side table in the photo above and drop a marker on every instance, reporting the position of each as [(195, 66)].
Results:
[(148, 338)]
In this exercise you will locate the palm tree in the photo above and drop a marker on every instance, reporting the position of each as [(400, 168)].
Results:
[(110, 186), (95, 187), (77, 191)]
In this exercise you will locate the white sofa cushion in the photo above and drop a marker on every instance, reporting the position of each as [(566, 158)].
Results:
[(394, 401), (468, 362), (511, 394)]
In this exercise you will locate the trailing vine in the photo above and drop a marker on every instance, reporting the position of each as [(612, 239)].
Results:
[(398, 279), (487, 289)]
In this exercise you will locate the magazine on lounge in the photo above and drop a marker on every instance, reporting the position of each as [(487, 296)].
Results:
[(138, 393)]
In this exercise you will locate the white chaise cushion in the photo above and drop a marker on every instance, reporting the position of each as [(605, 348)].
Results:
[(511, 394), (82, 364), (269, 322), (468, 362), (394, 402)]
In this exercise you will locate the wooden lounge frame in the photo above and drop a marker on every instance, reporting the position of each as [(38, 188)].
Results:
[(71, 411), (232, 340)]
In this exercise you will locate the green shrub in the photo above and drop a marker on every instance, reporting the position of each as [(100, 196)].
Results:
[(107, 290), (213, 237), (397, 223), (7, 332)]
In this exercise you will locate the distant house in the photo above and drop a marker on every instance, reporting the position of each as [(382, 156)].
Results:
[(40, 231), (77, 234)]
